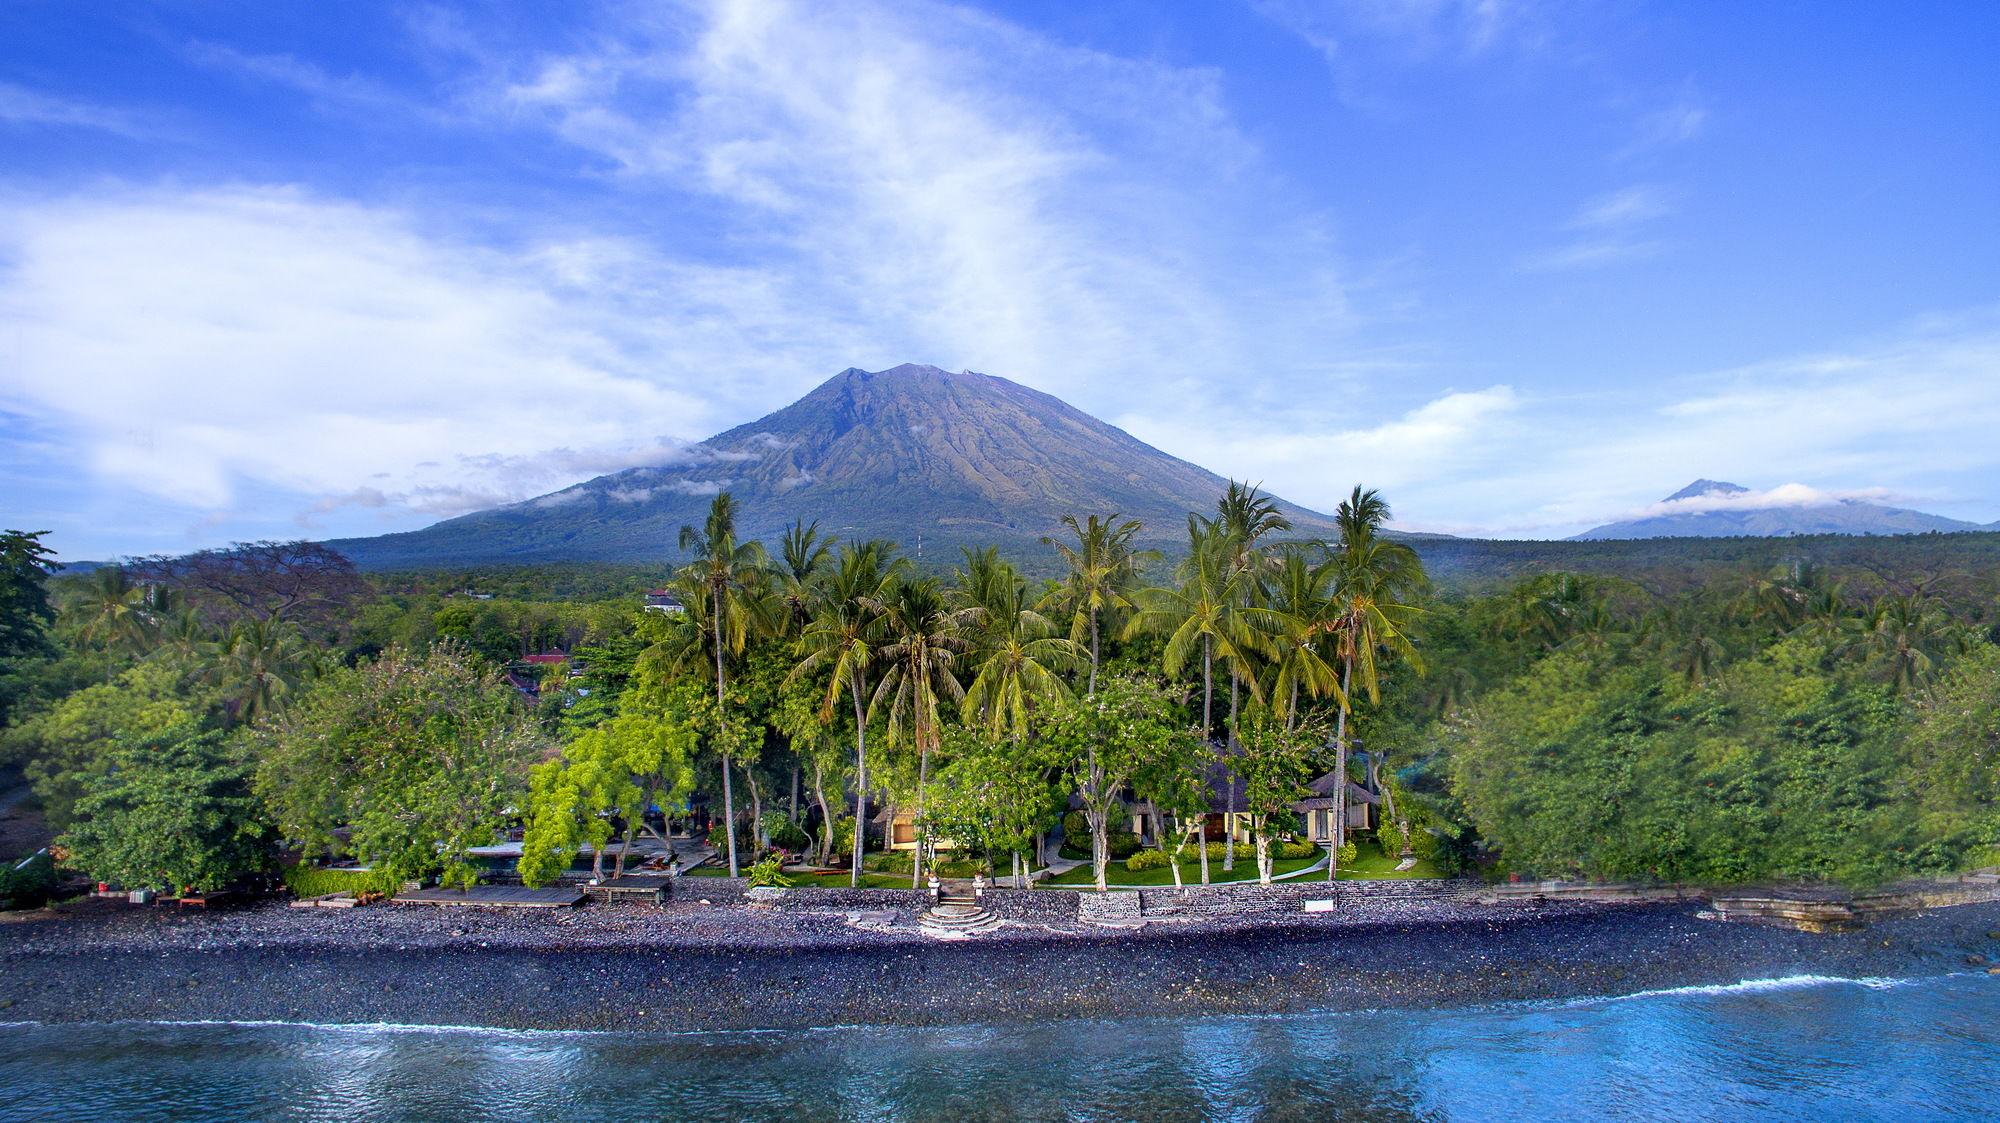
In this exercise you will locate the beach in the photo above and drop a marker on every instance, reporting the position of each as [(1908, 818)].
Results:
[(693, 967)]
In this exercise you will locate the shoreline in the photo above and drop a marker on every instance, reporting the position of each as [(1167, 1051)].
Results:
[(696, 969)]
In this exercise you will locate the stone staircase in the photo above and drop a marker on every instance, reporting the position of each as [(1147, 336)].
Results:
[(1118, 908), (957, 914)]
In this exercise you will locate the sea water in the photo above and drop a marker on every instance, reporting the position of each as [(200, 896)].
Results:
[(1802, 1048)]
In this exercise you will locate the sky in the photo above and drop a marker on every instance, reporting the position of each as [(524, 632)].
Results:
[(282, 271)]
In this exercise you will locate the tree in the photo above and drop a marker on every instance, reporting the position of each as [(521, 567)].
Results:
[(309, 585), (1907, 638), (1376, 576), (1275, 762), (924, 642), (802, 557), (1015, 654), (994, 795), (113, 612), (643, 757), (257, 665), (731, 573), (68, 741), (1103, 742), (1103, 568), (844, 641), (420, 756), (170, 811), (25, 614), (1301, 616)]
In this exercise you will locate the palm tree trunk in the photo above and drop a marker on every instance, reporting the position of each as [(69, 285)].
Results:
[(1207, 731), (1340, 769), (1229, 830), (860, 780), (1093, 651), (722, 733), (917, 817)]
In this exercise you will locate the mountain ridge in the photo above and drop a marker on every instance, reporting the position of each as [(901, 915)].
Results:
[(958, 458), (1726, 517)]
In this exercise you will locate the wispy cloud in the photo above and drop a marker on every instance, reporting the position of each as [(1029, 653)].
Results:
[(1608, 229), (21, 106)]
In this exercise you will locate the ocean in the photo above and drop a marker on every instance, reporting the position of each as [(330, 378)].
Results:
[(1815, 1048)]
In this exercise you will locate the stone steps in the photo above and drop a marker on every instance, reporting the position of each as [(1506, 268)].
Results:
[(954, 919)]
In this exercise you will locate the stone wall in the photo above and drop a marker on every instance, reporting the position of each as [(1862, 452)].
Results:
[(1031, 904), (1290, 896)]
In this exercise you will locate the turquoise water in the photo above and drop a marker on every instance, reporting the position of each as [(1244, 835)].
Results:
[(1806, 1048)]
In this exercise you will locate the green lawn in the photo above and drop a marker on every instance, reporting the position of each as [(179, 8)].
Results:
[(1117, 875), (811, 881), (1372, 864)]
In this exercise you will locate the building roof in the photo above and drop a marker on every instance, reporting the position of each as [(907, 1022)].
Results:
[(545, 659)]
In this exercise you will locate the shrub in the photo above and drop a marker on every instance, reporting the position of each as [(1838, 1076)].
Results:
[(785, 833), (313, 881), (843, 842), (1121, 844), (1299, 848), (769, 872), (30, 885), (1076, 830), (1349, 851), (1147, 860)]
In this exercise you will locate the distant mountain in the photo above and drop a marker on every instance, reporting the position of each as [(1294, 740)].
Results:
[(908, 453), (1714, 509)]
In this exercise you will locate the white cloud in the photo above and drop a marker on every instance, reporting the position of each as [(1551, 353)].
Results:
[(1315, 466), (195, 345), (1791, 495)]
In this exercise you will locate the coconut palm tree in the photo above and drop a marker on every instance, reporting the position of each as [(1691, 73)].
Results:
[(1203, 613), (731, 574), (1907, 637), (114, 612), (1015, 653), (1103, 568), (802, 559), (1375, 580), (844, 638), (257, 665), (924, 644), (1681, 635), (1300, 616)]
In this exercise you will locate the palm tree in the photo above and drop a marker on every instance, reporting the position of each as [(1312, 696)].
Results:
[(258, 663), (1016, 654), (844, 638), (1680, 635), (1102, 570), (1375, 577), (1300, 615), (922, 652), (116, 613), (730, 573), (1206, 609), (1907, 636), (803, 559)]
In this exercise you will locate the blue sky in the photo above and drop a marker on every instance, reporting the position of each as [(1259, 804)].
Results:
[(1525, 266)]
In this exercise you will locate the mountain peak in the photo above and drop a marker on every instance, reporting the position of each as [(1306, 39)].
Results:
[(1700, 488), (913, 452)]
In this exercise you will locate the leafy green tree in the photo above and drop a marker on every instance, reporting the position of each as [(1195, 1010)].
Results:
[(113, 612), (64, 743), (1103, 568), (643, 757), (994, 795), (420, 756), (25, 614), (1103, 742), (170, 811), (1276, 762)]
